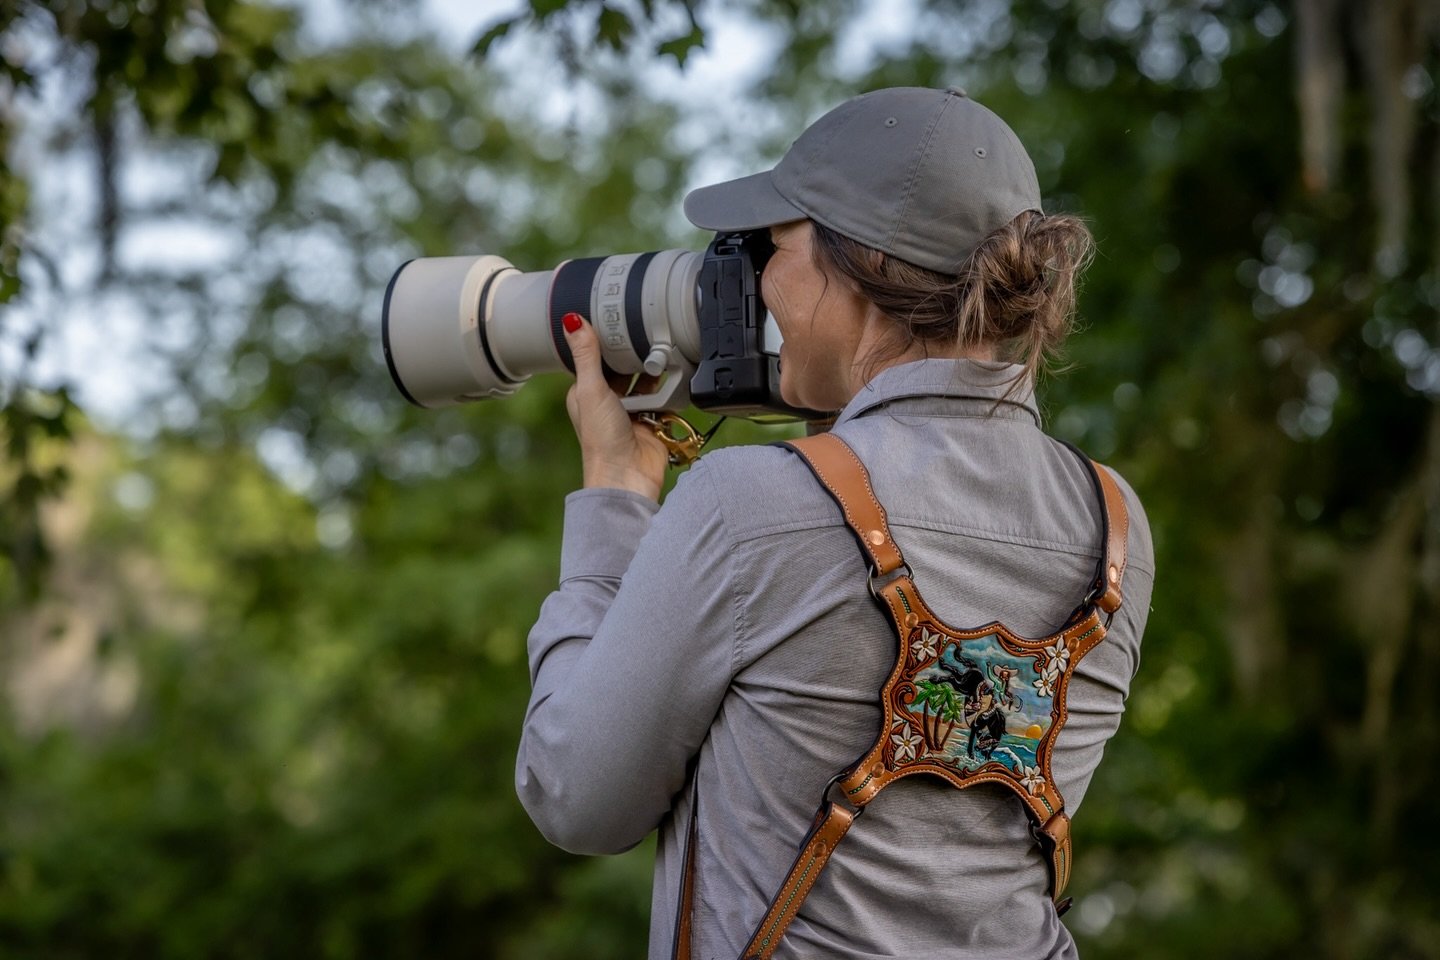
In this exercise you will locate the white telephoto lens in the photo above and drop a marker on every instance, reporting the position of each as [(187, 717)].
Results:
[(466, 328), (433, 332)]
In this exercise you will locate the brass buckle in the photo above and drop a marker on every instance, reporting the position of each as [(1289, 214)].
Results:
[(682, 449)]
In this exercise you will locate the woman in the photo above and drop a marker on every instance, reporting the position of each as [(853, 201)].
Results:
[(717, 660)]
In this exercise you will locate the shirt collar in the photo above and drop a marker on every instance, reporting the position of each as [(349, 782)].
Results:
[(956, 379)]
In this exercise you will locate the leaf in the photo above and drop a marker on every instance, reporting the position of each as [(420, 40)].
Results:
[(545, 9), (680, 47), (249, 26), (614, 28), (482, 45)]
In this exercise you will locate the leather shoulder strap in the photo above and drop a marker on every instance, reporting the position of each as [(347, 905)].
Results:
[(845, 478), (1114, 544), (685, 912), (826, 831)]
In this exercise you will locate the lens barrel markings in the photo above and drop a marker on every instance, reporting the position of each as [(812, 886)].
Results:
[(635, 305), (610, 296), (570, 293)]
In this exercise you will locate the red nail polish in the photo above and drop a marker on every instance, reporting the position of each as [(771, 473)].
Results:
[(572, 322)]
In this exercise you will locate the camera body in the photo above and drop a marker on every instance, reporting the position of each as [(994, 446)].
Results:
[(457, 329)]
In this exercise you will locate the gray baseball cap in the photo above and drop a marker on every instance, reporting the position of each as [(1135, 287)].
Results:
[(921, 174)]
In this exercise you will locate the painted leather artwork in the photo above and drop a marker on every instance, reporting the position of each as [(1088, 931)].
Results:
[(973, 706), (969, 701)]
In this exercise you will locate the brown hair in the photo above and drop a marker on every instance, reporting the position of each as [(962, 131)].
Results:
[(1016, 290)]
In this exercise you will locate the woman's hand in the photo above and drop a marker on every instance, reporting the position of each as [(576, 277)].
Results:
[(615, 451)]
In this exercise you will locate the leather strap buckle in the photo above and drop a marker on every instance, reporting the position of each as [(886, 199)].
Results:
[(835, 782), (902, 571), (1053, 836), (1092, 599)]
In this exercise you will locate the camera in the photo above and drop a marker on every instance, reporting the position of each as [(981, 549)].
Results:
[(457, 329)]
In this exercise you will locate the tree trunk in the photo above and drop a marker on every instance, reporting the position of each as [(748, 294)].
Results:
[(1320, 82), (1390, 43), (1380, 601)]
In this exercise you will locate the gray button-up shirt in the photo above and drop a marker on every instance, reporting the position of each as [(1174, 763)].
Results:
[(732, 633)]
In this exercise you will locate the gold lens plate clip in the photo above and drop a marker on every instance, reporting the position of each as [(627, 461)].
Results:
[(682, 441)]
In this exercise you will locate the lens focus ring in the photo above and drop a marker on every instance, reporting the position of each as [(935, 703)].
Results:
[(570, 293)]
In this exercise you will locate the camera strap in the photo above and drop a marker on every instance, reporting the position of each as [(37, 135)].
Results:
[(951, 699)]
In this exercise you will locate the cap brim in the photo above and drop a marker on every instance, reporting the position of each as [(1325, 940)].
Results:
[(749, 203)]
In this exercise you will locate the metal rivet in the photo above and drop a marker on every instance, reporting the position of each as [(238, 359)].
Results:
[(891, 121), (1114, 575), (980, 152), (875, 537), (911, 621)]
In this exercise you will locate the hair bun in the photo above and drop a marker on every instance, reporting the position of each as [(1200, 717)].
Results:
[(1015, 291)]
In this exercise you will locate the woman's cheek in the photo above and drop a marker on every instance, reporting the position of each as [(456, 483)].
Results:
[(787, 377), (771, 296)]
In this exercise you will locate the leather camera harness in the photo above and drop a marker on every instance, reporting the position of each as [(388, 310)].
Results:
[(968, 677)]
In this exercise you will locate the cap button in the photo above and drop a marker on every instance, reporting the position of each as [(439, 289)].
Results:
[(957, 91)]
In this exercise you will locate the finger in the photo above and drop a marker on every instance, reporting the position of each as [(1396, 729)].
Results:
[(648, 439), (572, 405), (585, 350)]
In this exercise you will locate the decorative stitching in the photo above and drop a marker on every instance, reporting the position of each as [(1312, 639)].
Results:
[(1124, 531), (870, 492), (1109, 485), (863, 784), (879, 509), (845, 510), (790, 899), (851, 518)]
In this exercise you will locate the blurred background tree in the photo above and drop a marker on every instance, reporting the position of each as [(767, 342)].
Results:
[(262, 627)]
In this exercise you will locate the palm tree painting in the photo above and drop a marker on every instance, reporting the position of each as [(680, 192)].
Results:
[(939, 703)]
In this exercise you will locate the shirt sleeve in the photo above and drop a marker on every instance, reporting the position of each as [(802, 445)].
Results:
[(629, 660)]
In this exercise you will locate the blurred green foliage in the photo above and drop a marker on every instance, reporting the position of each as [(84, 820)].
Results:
[(261, 715)]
